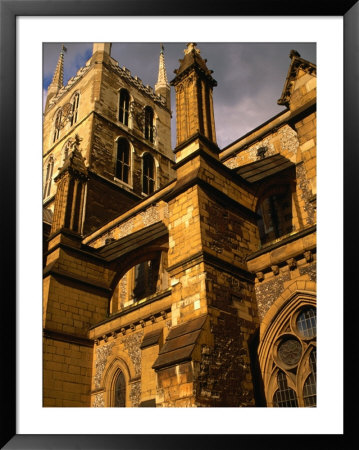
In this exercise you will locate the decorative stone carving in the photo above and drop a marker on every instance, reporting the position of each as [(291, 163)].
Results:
[(142, 323), (102, 353), (105, 337), (260, 276), (308, 256), (123, 331), (132, 347), (275, 269), (163, 315), (99, 401), (153, 319), (114, 334)]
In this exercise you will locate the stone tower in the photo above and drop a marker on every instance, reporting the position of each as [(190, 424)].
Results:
[(125, 132)]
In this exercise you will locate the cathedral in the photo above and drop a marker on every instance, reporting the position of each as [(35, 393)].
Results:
[(180, 277)]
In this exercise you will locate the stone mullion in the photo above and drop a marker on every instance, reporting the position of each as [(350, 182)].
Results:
[(199, 107), (208, 114), (214, 139), (204, 108)]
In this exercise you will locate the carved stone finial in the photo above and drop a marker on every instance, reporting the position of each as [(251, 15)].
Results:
[(308, 256), (191, 47), (260, 276)]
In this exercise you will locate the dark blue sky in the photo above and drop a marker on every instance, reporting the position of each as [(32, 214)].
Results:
[(250, 76)]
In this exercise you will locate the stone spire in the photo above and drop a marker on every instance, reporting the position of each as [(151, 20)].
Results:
[(58, 78), (162, 86)]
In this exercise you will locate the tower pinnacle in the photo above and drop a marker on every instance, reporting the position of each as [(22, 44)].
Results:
[(58, 78), (162, 86)]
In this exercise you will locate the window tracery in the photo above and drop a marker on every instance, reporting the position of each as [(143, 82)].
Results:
[(119, 398), (289, 365), (48, 177), (275, 211)]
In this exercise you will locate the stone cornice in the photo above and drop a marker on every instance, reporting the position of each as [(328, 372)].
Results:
[(282, 241), (197, 136), (215, 261)]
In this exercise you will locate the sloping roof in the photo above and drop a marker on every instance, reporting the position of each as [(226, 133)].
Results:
[(133, 241), (180, 343), (264, 168), (47, 215)]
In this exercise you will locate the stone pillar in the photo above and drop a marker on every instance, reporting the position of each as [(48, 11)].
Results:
[(212, 228)]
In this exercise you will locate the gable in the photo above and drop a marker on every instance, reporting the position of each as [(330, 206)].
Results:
[(300, 84)]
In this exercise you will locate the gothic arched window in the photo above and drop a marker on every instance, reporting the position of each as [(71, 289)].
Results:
[(142, 280), (119, 390), (57, 125), (48, 177), (75, 108), (148, 174), (123, 165), (149, 123), (124, 106)]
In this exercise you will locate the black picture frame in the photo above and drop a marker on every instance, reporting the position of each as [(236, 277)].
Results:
[(9, 10)]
